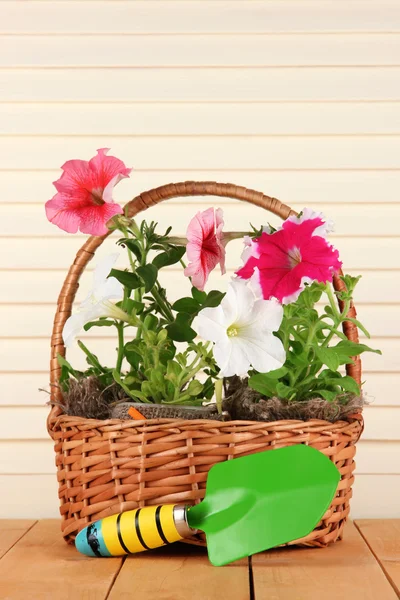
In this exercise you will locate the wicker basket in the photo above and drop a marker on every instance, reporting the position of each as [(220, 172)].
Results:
[(105, 467)]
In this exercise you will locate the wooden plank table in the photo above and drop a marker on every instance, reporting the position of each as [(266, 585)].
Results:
[(36, 564)]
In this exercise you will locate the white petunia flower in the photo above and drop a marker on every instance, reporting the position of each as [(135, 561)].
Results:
[(241, 329), (97, 304)]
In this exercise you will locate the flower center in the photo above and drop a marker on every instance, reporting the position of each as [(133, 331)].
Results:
[(294, 257), (232, 331), (97, 196)]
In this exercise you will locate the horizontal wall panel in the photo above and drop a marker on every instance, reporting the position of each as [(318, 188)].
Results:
[(381, 389), (38, 17), (379, 321), (349, 220), (59, 253), (375, 496), (219, 152), (200, 50), (20, 355), (23, 494), (28, 457), (201, 119), (30, 423), (300, 187), (223, 84), (26, 287), (26, 389)]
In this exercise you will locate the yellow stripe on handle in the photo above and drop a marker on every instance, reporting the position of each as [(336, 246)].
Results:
[(140, 529)]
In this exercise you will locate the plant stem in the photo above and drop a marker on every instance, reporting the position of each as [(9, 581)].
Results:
[(164, 308), (332, 302), (218, 394), (120, 356)]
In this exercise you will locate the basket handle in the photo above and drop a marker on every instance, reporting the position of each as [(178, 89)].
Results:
[(135, 206)]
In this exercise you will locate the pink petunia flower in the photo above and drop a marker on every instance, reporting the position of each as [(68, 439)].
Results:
[(282, 263), (205, 248), (84, 194)]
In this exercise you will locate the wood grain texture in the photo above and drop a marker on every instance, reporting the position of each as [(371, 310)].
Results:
[(346, 570), (214, 152), (11, 531), (200, 51), (307, 118), (180, 572), (42, 564), (203, 16), (383, 538), (225, 84)]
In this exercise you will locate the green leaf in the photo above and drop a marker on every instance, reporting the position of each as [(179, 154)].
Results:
[(349, 385), (328, 374), (263, 384), (174, 370), (277, 373), (167, 352), (148, 274), (157, 377), (213, 299), (133, 353), (199, 296), (150, 322), (359, 325), (132, 306), (350, 283), (194, 388), (129, 280), (311, 294), (180, 330), (135, 394), (327, 395), (284, 391), (133, 246), (66, 370), (91, 358), (186, 305), (328, 357), (346, 348), (170, 257), (99, 323)]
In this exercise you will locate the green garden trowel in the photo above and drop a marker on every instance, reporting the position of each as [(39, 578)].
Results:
[(252, 504)]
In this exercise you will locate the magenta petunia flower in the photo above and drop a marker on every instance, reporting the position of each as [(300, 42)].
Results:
[(205, 248), (282, 263), (84, 194)]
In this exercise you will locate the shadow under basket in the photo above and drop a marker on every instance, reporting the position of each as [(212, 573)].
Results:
[(109, 466)]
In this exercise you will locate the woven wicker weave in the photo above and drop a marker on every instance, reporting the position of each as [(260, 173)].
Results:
[(106, 467)]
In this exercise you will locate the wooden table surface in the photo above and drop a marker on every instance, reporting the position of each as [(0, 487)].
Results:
[(35, 563)]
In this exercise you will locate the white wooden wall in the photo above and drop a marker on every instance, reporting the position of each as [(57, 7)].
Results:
[(297, 98)]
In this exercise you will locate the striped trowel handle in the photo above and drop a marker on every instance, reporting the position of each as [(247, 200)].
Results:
[(134, 531)]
